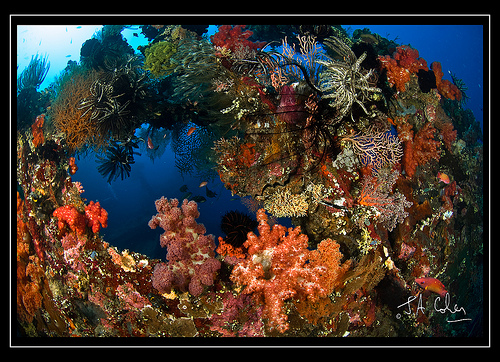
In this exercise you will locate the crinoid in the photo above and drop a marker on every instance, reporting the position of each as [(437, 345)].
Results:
[(344, 81), (236, 225), (119, 157), (97, 102), (34, 74)]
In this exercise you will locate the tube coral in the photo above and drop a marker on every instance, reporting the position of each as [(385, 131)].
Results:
[(190, 254)]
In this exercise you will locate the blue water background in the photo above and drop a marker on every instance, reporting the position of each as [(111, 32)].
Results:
[(130, 203)]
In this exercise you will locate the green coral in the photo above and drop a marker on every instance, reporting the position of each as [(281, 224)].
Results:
[(158, 58)]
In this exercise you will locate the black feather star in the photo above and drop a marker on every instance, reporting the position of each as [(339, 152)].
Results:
[(236, 226), (119, 157)]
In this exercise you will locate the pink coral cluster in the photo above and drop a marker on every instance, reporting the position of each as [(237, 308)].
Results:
[(239, 317), (277, 268), (190, 254), (73, 246)]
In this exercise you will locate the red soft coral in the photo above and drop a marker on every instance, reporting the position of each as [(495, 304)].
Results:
[(418, 149), (405, 61), (232, 38), (69, 215), (96, 216)]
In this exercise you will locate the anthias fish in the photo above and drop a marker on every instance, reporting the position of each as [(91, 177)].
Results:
[(433, 285), (443, 177)]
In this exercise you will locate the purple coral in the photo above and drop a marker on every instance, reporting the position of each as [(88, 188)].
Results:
[(376, 148)]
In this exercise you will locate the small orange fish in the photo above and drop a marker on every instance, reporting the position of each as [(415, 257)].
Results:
[(204, 183), (433, 285), (443, 177), (191, 130), (150, 143)]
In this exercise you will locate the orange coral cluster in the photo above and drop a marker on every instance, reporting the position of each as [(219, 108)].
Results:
[(446, 88), (37, 130), (419, 149), (279, 266), (247, 157), (68, 118), (72, 166), (29, 272), (69, 215), (405, 61)]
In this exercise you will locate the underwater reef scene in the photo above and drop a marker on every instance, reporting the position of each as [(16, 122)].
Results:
[(354, 137)]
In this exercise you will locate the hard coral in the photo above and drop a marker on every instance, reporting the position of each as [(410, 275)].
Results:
[(279, 267), (190, 253)]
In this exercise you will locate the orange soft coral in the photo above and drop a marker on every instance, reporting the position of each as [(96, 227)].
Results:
[(418, 149), (37, 130), (279, 266), (446, 88), (405, 61)]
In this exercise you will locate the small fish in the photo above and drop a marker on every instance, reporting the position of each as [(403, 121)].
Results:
[(71, 41), (443, 177), (40, 43), (183, 188), (68, 56), (66, 30), (210, 193), (190, 131), (150, 143), (187, 195), (204, 183), (79, 27), (433, 285), (135, 34), (199, 199)]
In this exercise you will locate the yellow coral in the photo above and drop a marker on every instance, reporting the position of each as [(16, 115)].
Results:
[(283, 203), (158, 58)]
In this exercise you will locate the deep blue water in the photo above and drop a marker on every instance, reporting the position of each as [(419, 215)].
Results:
[(130, 203)]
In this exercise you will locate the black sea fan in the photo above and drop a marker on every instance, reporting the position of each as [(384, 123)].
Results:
[(117, 161), (236, 226)]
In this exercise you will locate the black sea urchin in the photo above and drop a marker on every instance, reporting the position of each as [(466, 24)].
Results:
[(236, 226)]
